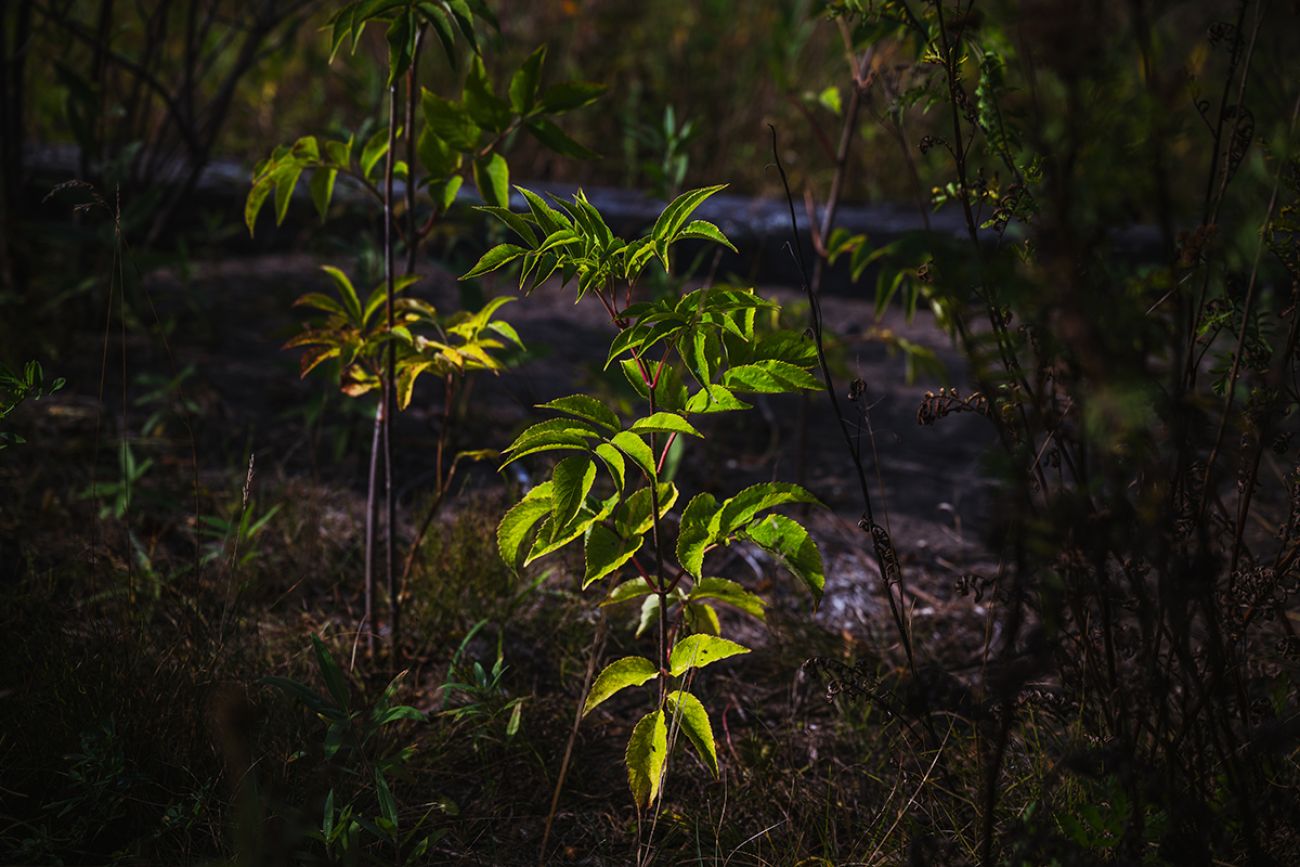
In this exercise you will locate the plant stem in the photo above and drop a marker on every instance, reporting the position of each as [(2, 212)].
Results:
[(368, 619), (390, 365)]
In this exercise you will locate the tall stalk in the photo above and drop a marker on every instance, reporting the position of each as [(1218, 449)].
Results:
[(390, 380)]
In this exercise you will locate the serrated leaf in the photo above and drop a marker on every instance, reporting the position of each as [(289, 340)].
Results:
[(497, 257), (674, 217), (552, 537), (636, 448), (741, 509), (575, 430), (715, 398), (695, 535), (547, 218), (788, 540), (517, 524), (697, 651), (585, 407), (769, 377), (615, 463), (629, 590), (664, 422), (605, 551), (518, 223), (620, 674), (708, 232), (703, 618), (647, 750), (731, 593), (571, 482), (634, 516), (690, 714)]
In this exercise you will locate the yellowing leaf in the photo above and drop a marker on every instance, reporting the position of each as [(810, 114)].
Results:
[(694, 720), (647, 750), (620, 674), (697, 651)]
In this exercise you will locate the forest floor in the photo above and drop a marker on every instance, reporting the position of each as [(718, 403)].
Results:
[(195, 405)]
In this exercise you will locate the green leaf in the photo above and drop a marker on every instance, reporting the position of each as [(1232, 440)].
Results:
[(401, 46), (387, 806), (647, 750), (674, 217), (585, 407), (769, 377), (449, 121), (329, 669), (633, 516), (636, 448), (694, 720), (568, 95), (702, 617), (518, 223), (256, 198), (547, 218), (497, 257), (724, 590), (555, 433), (557, 140), (523, 84), (445, 197), (285, 181), (629, 590), (708, 232), (375, 148), (605, 552), (553, 537), (697, 651), (492, 177), (715, 398), (649, 614), (614, 462), (487, 109), (741, 509), (620, 674), (516, 526), (571, 482), (695, 535), (438, 157), (322, 189), (664, 422), (787, 539)]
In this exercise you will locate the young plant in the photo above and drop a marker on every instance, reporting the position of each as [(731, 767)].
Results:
[(686, 356), (355, 744), (17, 386), (445, 140)]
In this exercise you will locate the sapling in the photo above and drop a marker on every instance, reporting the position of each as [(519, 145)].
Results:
[(686, 356), (456, 137)]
